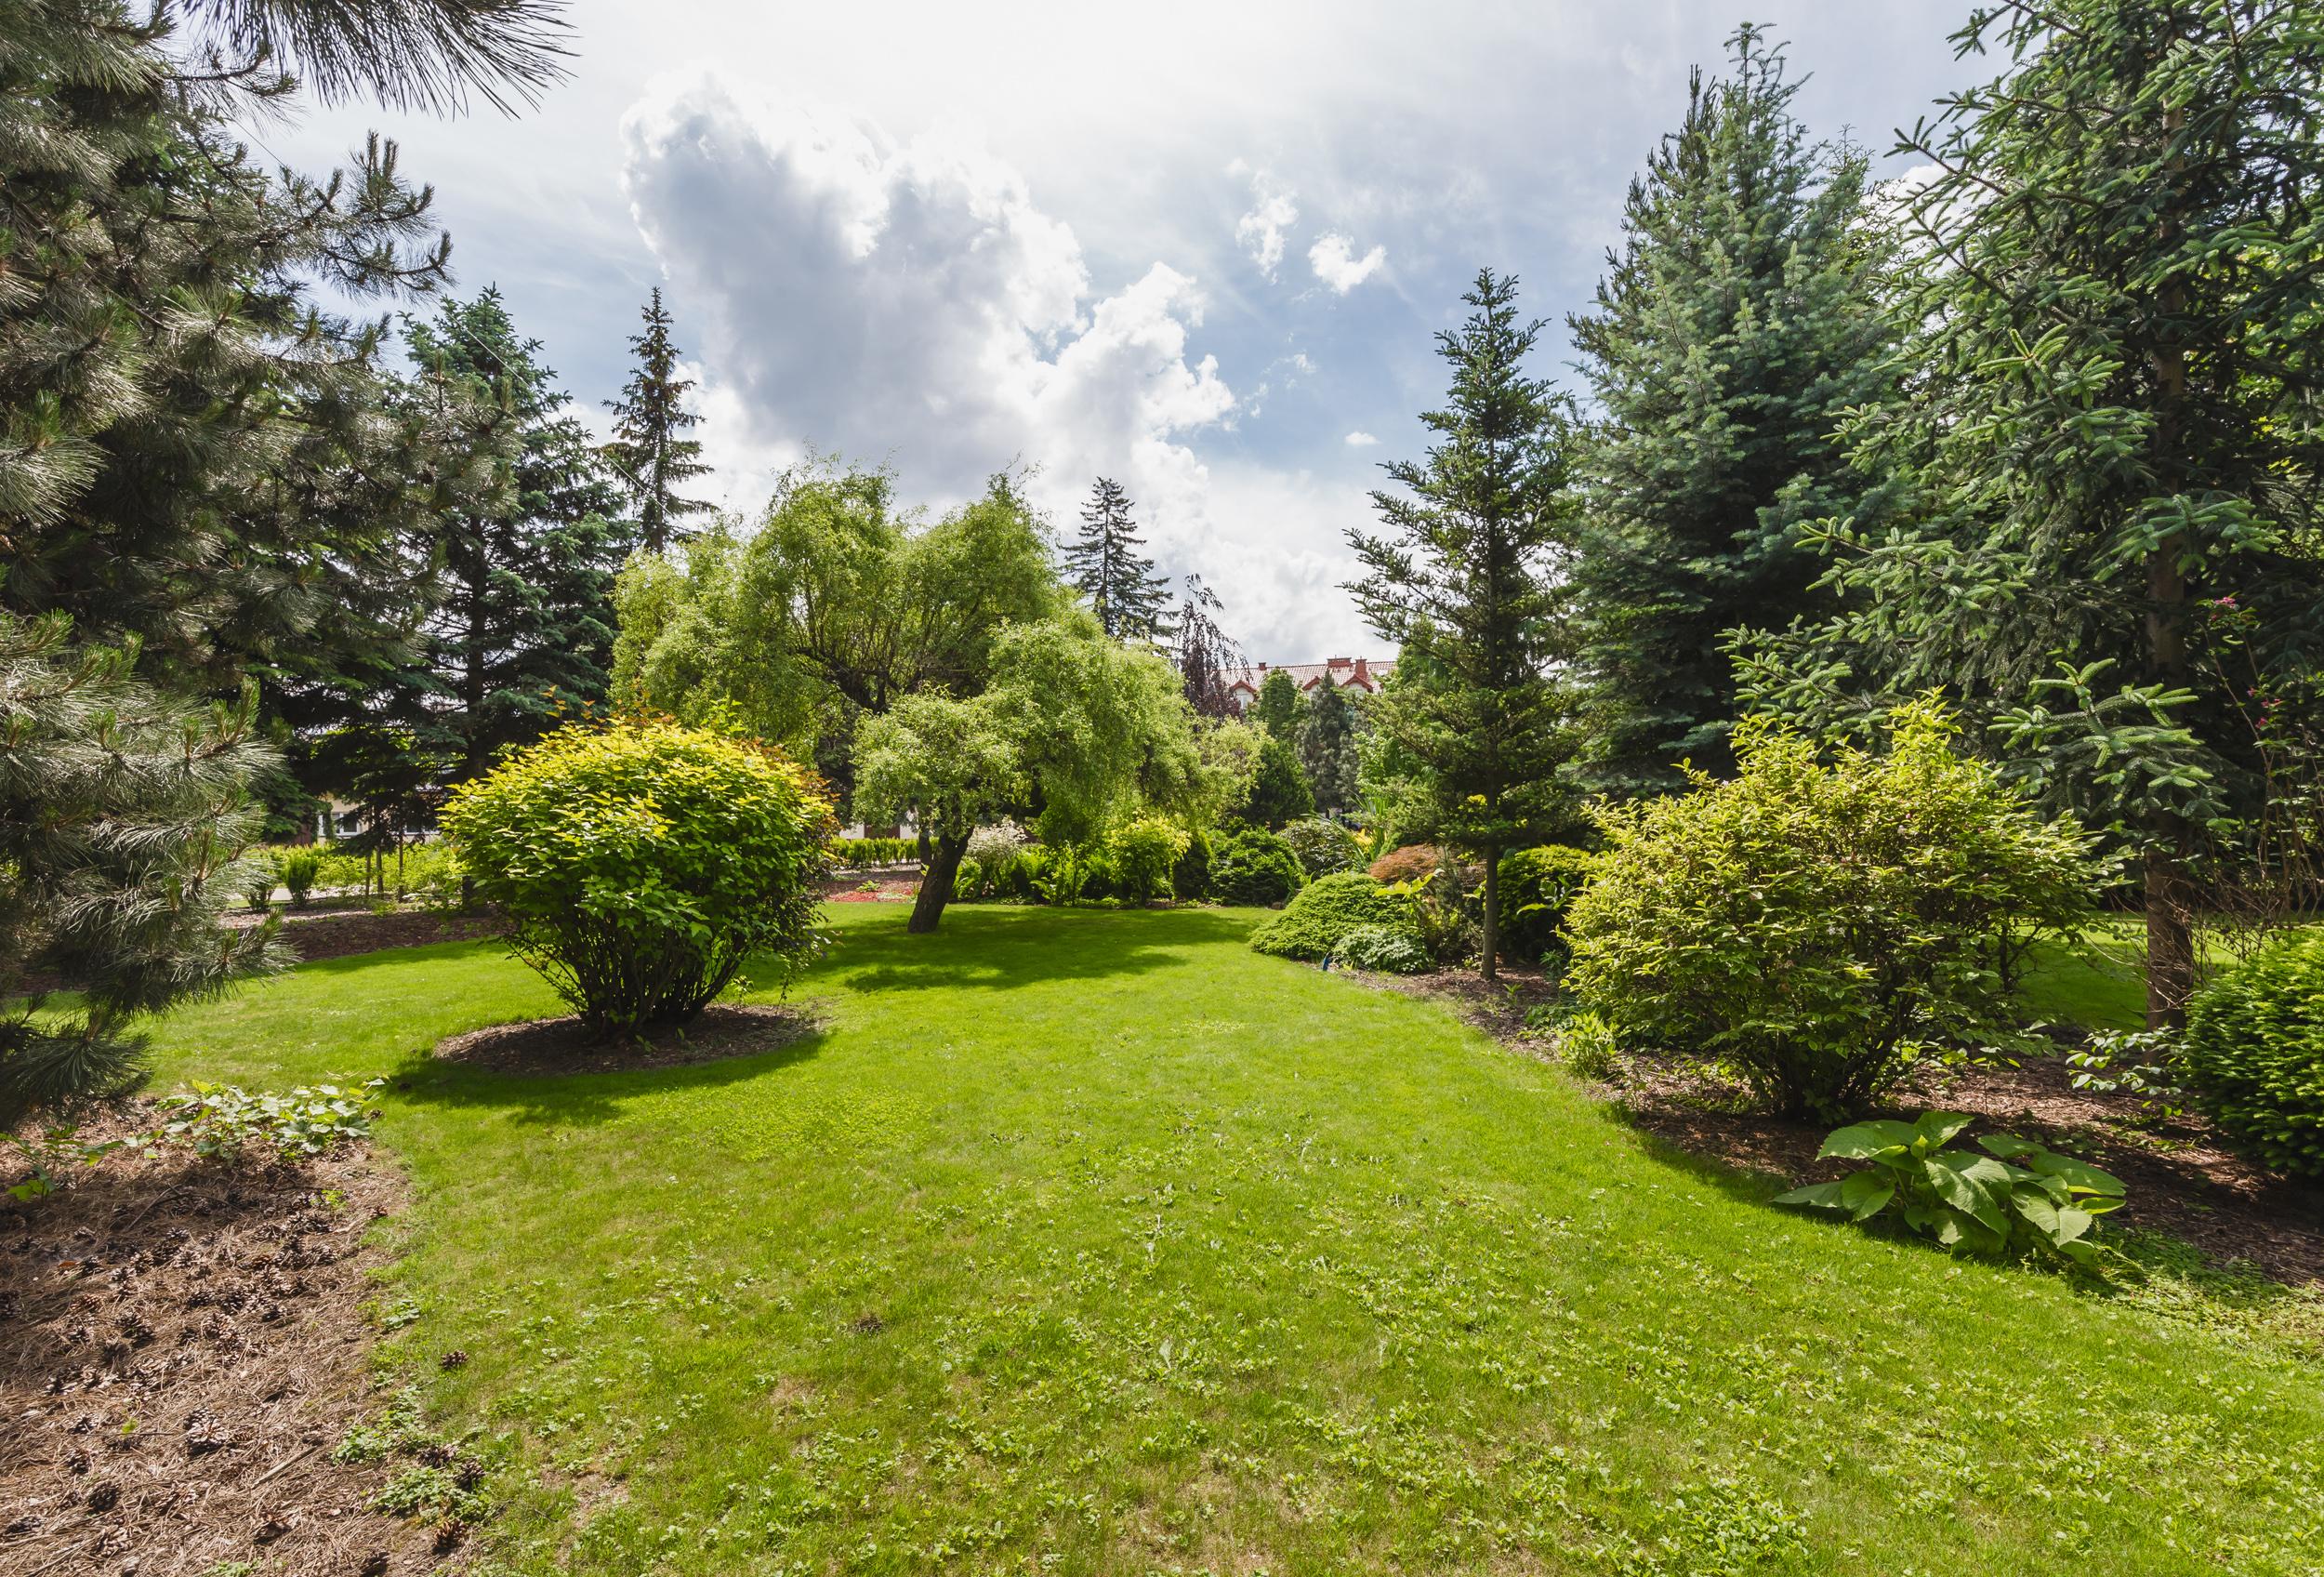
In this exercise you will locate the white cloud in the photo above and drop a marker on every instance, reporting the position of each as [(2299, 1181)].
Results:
[(1260, 232), (1361, 440), (1335, 262), (909, 302)]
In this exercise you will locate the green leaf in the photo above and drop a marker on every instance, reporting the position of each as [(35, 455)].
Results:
[(1957, 1182), (2080, 1177), (1864, 1141), (1936, 1129), (1867, 1194), (1820, 1196)]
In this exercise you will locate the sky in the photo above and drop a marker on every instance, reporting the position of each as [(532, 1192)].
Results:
[(1203, 249)]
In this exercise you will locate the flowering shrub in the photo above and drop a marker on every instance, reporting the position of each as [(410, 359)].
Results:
[(642, 865), (995, 846)]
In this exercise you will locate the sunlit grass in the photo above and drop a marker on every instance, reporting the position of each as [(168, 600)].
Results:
[(1085, 1242)]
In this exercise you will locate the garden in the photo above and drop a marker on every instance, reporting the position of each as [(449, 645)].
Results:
[(545, 1027)]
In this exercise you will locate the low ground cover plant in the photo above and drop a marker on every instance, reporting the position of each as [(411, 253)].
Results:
[(1387, 950), (2252, 1056), (1813, 928), (642, 864), (2019, 1197), (1320, 917)]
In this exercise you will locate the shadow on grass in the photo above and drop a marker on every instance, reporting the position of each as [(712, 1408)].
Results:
[(1002, 949), (582, 1099)]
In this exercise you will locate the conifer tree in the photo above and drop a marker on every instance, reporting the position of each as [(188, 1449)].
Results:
[(523, 633), (1460, 577), (2109, 554), (1328, 753), (1740, 318), (1104, 563), (650, 446)]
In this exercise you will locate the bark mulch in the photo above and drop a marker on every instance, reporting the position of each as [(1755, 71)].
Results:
[(343, 932), (182, 1343), (2183, 1179), (544, 1047)]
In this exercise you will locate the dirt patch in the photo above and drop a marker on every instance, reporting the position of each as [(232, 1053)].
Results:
[(544, 1047), (182, 1343), (2182, 1178), (337, 935), (880, 890)]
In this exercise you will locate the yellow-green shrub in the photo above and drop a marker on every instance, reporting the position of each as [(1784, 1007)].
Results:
[(642, 864)]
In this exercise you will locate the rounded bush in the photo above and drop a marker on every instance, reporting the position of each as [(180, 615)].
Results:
[(1536, 885), (2254, 1055), (642, 865), (1325, 910), (1190, 878), (1254, 868), (1384, 948), (1146, 855), (1323, 846)]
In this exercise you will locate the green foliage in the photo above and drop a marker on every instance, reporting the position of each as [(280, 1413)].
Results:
[(1279, 790), (1744, 316), (301, 869), (123, 811), (1536, 884), (1323, 846), (1104, 565), (2114, 312), (860, 853), (2253, 1053), (2019, 1197), (649, 423), (1386, 949), (1145, 853), (224, 1120), (1253, 868), (1813, 927), (1463, 577), (1281, 708), (1328, 749), (643, 864), (1327, 910), (1444, 913), (259, 876), (1190, 878)]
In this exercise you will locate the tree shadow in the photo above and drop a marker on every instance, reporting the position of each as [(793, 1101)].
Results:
[(1003, 949), (582, 1099)]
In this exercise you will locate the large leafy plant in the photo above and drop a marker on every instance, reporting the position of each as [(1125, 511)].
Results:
[(2255, 1054), (642, 865), (2018, 1198)]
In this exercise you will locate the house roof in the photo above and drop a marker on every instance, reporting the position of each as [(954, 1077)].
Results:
[(1360, 671)]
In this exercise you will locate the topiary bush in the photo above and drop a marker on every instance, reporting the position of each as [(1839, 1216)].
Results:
[(2253, 1054), (642, 865), (1254, 868), (1145, 853), (1325, 910), (1811, 928), (1385, 948), (1536, 887), (1322, 845)]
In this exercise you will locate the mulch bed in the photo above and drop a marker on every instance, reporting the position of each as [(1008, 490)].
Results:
[(543, 1047), (181, 1344), (2183, 1179), (342, 933), (872, 889)]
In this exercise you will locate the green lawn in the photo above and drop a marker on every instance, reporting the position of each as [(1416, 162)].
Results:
[(1086, 1241)]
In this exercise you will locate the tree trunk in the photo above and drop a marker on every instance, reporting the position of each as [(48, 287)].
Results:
[(936, 884), (2170, 940), (1492, 909)]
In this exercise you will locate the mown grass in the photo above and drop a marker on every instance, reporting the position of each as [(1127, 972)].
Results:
[(1094, 1242)]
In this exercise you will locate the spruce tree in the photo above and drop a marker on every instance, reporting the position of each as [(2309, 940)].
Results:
[(522, 635), (1281, 706), (1740, 318), (1461, 572), (1328, 753), (650, 447), (2110, 556), (1104, 562)]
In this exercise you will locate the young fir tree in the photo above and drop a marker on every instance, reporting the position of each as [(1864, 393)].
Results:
[(1281, 706), (1740, 318), (1104, 562), (1278, 788), (1460, 577), (650, 446), (523, 634), (2111, 553), (1328, 751)]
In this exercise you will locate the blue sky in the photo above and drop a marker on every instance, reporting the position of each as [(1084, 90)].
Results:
[(1201, 248)]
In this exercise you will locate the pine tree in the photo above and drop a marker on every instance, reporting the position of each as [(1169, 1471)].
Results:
[(1741, 317), (1123, 589), (1460, 577), (650, 422), (2110, 556), (523, 634), (1328, 753)]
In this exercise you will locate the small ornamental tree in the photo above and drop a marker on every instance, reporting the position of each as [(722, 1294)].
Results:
[(1809, 927), (644, 864)]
